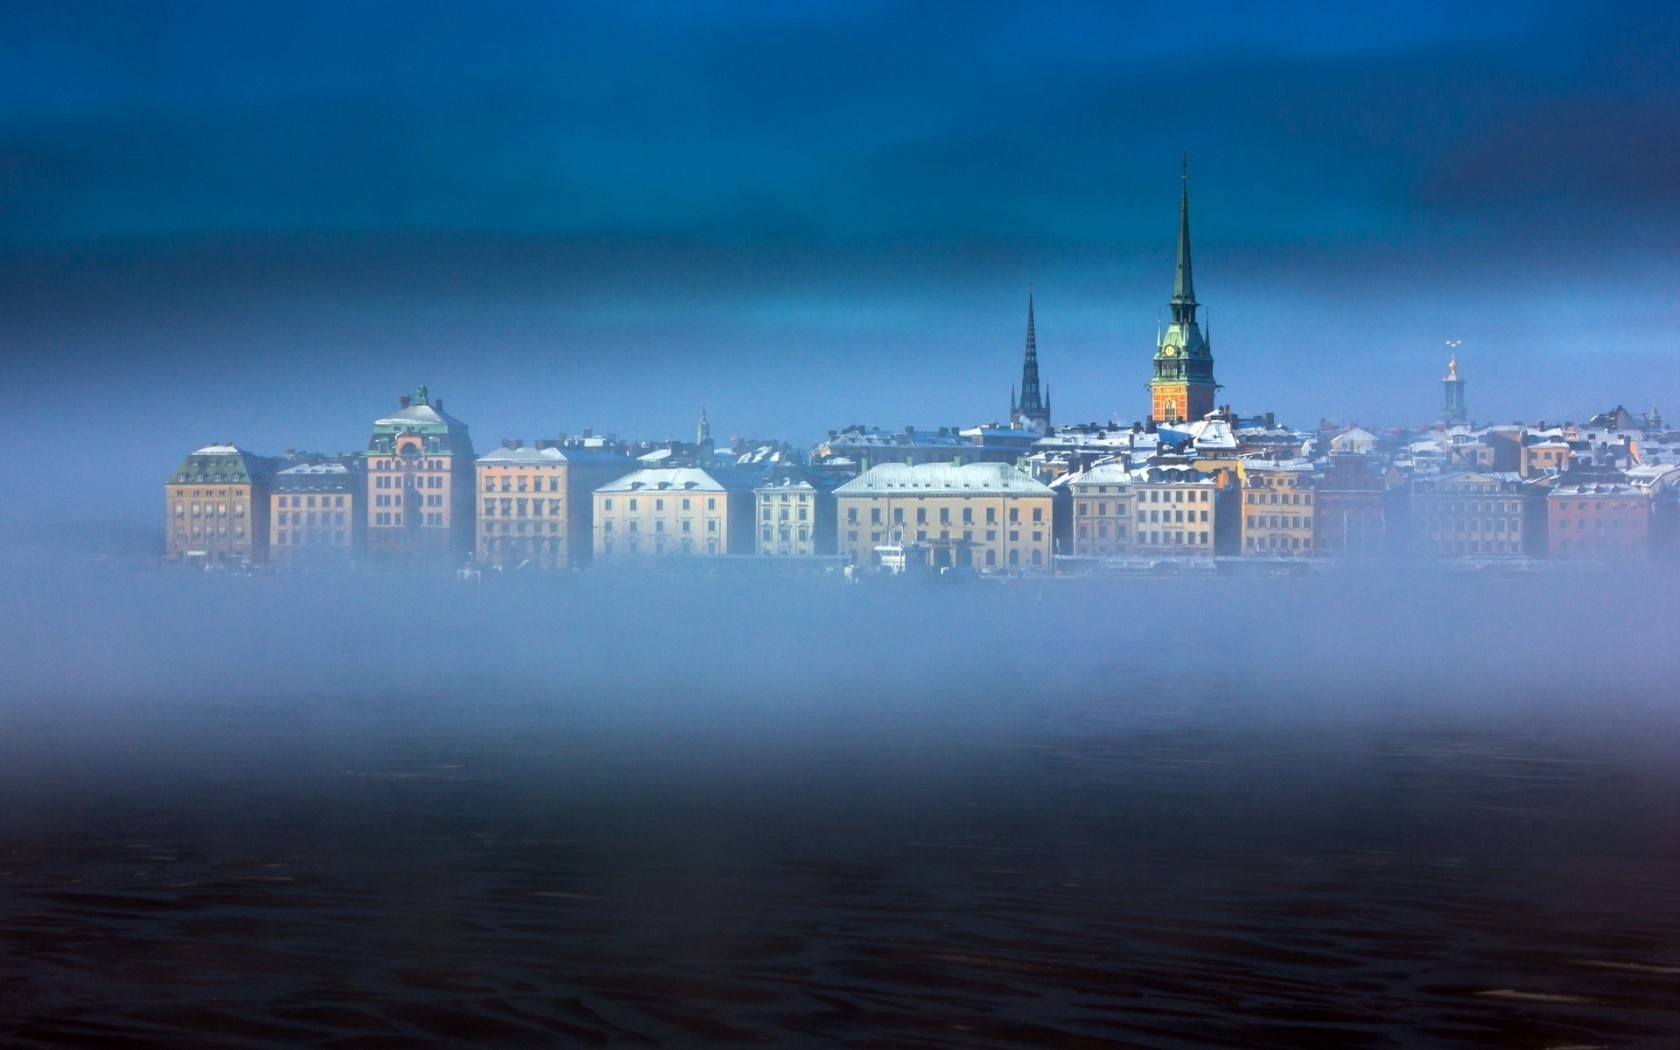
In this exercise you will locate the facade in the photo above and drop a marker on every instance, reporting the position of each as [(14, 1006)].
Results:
[(216, 505), (1470, 513), (1176, 513), (420, 484), (674, 511), (795, 513), (1101, 503), (1032, 411), (1348, 516), (316, 517), (1277, 508), (1600, 518), (536, 504), (990, 516), (1182, 389), (1452, 396)]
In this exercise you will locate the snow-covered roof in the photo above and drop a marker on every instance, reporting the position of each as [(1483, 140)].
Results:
[(315, 468), (1099, 474), (683, 479), (1296, 466), (418, 414), (533, 456), (936, 478)]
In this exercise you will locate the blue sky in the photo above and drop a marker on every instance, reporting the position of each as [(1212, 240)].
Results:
[(259, 224)]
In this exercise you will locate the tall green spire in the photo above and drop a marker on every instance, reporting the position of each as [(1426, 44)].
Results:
[(1184, 288)]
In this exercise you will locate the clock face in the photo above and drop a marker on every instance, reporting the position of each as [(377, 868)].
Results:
[(1169, 350)]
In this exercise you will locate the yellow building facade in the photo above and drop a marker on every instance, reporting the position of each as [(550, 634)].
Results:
[(315, 515), (990, 516), (1278, 508)]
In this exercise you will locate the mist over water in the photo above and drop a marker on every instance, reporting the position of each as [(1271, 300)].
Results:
[(1362, 810)]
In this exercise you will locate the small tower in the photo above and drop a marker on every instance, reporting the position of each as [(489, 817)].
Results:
[(1182, 388), (1032, 412), (1452, 395), (705, 449)]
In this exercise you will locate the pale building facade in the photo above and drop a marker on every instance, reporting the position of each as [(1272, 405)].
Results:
[(216, 505), (1102, 502), (1175, 513), (673, 511), (795, 512), (990, 516), (1277, 508), (536, 505)]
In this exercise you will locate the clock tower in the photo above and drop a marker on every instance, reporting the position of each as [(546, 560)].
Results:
[(1182, 389)]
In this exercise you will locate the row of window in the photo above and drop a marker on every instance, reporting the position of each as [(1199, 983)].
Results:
[(209, 510), (658, 525), (304, 537), (211, 532), (412, 481), (505, 527), (507, 484), (387, 464), (658, 504), (1279, 543), (300, 517), (309, 501), (1293, 498), (1172, 539), (1278, 521), (519, 508)]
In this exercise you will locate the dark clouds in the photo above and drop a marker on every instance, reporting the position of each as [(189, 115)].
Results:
[(810, 214)]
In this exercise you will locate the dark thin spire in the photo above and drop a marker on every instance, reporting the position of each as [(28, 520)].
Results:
[(1031, 406), (1184, 289)]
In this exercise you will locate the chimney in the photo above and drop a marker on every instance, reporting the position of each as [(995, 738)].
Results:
[(404, 400), (440, 404), (588, 432)]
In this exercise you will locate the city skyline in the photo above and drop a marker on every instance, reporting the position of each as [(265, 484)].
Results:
[(807, 217)]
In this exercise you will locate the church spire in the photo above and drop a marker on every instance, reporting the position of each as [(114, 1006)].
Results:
[(1031, 409), (1184, 288)]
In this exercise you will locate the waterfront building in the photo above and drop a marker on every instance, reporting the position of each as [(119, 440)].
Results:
[(1101, 502), (674, 511), (795, 511), (990, 516), (1032, 411), (1598, 517), (316, 517), (1472, 512), (1277, 508), (420, 484), (1176, 512), (1182, 388), (217, 503), (1348, 506), (536, 506)]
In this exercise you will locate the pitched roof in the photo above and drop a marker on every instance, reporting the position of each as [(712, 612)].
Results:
[(934, 478)]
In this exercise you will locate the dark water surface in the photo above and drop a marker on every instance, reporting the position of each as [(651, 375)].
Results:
[(1088, 817)]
